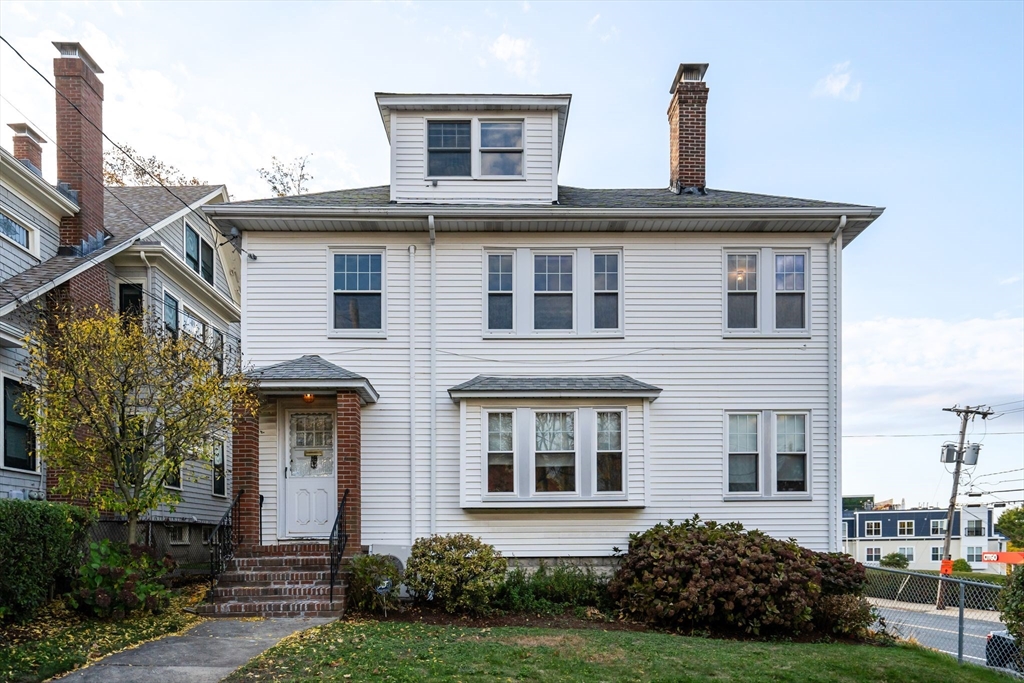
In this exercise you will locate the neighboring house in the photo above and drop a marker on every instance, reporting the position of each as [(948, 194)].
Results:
[(918, 534), (476, 348), (127, 248)]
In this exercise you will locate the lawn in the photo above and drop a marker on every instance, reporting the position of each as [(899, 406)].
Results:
[(60, 640), (401, 651)]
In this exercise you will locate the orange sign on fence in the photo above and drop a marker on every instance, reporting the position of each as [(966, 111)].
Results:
[(946, 567), (1003, 557)]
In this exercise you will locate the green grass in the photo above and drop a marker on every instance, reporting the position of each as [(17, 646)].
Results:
[(396, 651), (60, 640)]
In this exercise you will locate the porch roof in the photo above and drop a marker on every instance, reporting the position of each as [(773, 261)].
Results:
[(311, 373), (571, 386)]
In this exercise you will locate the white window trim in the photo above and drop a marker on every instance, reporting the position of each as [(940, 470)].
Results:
[(213, 469), (38, 471), (184, 253), (899, 527), (335, 333), (766, 293), (480, 148), (868, 526), (767, 457), (942, 527), (967, 553), (623, 436), (33, 237), (741, 495), (868, 553), (484, 473), (184, 310), (487, 331), (932, 553), (807, 455), (474, 146), (163, 307), (141, 283), (607, 331), (577, 463), (184, 534), (907, 551), (569, 332)]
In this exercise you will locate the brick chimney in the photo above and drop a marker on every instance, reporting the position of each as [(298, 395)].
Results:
[(27, 147), (687, 129), (80, 157)]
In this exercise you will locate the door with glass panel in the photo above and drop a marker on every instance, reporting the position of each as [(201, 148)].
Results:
[(311, 483)]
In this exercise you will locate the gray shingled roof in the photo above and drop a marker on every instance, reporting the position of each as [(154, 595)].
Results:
[(571, 197), (151, 204), (574, 385), (310, 372)]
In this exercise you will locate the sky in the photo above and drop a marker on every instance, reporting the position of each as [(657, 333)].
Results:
[(917, 107)]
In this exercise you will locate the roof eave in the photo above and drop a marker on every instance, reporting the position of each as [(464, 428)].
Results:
[(16, 172), (461, 394), (367, 394)]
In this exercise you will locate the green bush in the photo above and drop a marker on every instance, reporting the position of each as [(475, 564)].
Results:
[(458, 572), (962, 565), (370, 573), (40, 549), (844, 615), (894, 561), (841, 574), (1011, 604), (552, 590), (708, 575), (116, 580)]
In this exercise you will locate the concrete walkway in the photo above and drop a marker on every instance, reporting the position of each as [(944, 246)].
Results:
[(205, 654)]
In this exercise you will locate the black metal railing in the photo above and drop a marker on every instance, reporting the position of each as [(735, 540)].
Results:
[(338, 541), (224, 537)]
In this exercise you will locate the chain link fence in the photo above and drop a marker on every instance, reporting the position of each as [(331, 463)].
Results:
[(187, 543), (966, 626)]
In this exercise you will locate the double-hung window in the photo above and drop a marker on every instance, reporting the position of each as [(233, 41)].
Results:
[(936, 553), (790, 292), (776, 465), (217, 346), (610, 461), (873, 528), (129, 301), (975, 527), (758, 303), (500, 296), (19, 433), (358, 291), (501, 148), (905, 527), (907, 552), (872, 554), (741, 300), (743, 453), (974, 553), (171, 315), (501, 443), (198, 254), (555, 451), (449, 149), (553, 307), (606, 291), (938, 527), (193, 325), (219, 475), (791, 452)]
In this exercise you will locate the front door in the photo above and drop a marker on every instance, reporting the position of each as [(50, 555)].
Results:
[(311, 484)]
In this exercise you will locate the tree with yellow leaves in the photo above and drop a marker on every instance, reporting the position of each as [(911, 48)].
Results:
[(120, 403)]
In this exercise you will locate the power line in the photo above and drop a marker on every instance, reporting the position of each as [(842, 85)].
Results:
[(915, 436)]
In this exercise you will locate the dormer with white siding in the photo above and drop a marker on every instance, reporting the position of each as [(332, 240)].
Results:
[(474, 149)]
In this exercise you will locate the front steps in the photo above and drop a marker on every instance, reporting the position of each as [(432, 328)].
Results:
[(277, 581)]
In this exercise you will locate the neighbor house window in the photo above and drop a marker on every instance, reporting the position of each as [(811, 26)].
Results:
[(872, 528), (975, 527), (555, 451), (974, 553), (219, 476), (449, 148), (500, 453), (552, 287), (198, 254), (501, 148), (741, 300), (907, 552), (610, 460), (790, 289), (13, 231), (172, 479), (743, 453), (129, 299), (906, 528), (500, 299), (19, 433), (606, 291), (936, 553), (193, 326), (791, 453), (171, 314), (177, 534), (872, 554), (358, 291), (938, 526)]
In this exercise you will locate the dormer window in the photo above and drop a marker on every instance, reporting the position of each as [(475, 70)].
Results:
[(198, 254), (501, 148), (449, 149)]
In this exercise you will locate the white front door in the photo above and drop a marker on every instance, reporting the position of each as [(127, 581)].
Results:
[(310, 484)]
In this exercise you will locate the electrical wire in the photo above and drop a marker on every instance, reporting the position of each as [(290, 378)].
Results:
[(915, 436)]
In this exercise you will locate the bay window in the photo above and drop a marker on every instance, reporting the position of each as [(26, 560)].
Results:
[(500, 465), (555, 453)]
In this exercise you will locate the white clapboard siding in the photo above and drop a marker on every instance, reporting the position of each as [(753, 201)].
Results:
[(409, 165), (673, 339)]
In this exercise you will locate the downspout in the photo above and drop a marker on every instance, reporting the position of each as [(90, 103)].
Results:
[(433, 378), (412, 394), (149, 277), (835, 246)]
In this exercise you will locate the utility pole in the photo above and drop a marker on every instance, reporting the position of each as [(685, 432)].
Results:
[(966, 414)]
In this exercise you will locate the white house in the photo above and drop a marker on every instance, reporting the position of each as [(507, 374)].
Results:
[(475, 348)]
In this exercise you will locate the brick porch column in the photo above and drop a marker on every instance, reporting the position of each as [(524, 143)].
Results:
[(245, 469), (350, 466)]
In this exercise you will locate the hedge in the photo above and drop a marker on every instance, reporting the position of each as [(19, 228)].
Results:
[(40, 548), (921, 588)]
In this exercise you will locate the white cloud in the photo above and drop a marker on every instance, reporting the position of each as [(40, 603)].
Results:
[(839, 84), (1013, 279), (593, 21), (604, 36), (20, 9), (517, 55)]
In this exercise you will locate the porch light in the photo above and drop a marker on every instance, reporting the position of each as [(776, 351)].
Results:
[(308, 398)]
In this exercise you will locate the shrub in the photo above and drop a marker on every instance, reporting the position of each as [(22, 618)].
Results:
[(841, 574), (894, 561), (843, 614), (40, 549), (116, 580), (711, 575), (459, 572), (374, 584), (961, 565), (1011, 604), (552, 590)]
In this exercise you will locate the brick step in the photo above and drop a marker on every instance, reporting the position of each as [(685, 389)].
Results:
[(272, 577), (284, 549), (273, 592), (300, 608), (306, 563)]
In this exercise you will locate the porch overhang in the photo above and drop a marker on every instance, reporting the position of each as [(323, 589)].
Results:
[(311, 374)]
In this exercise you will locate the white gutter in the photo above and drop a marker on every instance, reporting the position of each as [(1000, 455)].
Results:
[(149, 281), (412, 394), (835, 250), (433, 377)]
